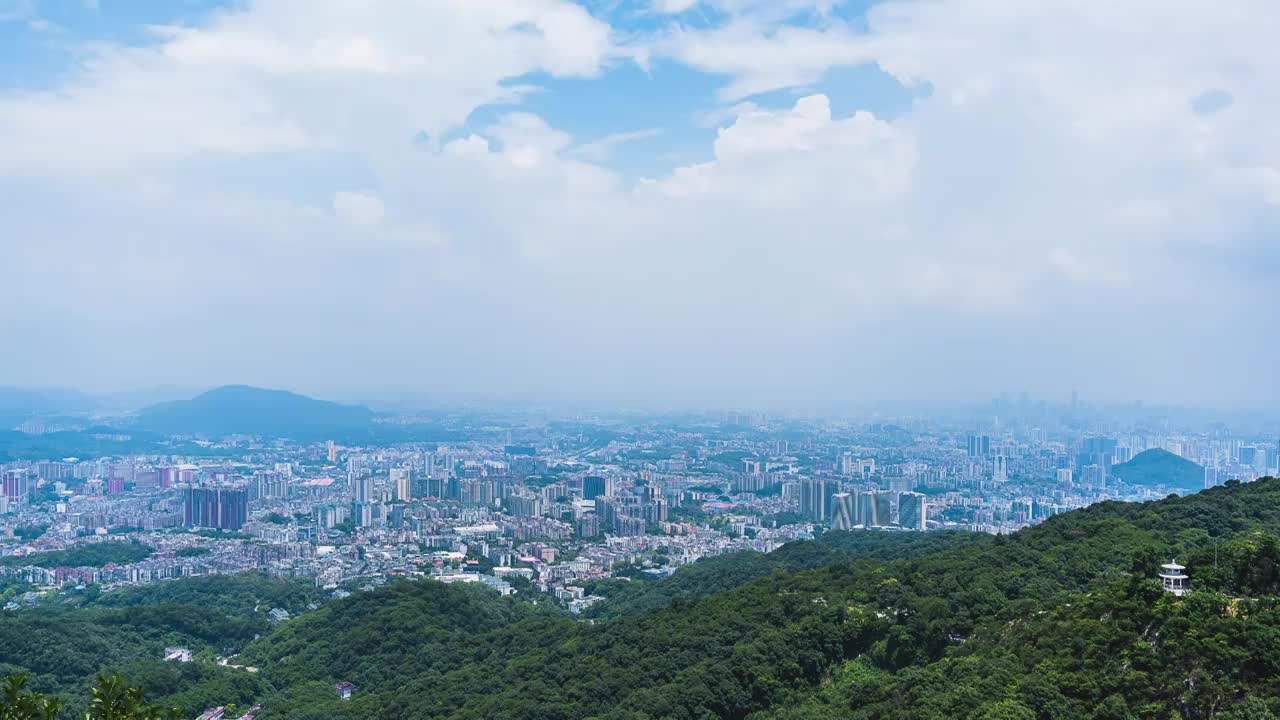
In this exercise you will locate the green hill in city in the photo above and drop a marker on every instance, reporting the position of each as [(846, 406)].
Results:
[(1161, 468), (240, 409)]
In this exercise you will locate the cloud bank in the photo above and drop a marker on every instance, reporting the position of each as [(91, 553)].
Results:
[(348, 200)]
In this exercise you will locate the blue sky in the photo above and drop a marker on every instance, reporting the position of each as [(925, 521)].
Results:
[(724, 202), (672, 105)]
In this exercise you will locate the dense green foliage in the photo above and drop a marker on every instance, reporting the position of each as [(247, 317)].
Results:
[(1059, 621), (28, 533), (1160, 467), (1063, 621), (110, 699), (92, 555), (190, 552), (63, 644), (726, 572)]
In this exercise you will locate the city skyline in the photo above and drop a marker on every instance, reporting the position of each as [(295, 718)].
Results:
[(66, 401), (639, 359)]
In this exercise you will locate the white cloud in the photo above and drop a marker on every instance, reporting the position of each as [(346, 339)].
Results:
[(759, 57), (797, 159), (358, 208), (294, 75), (673, 7), (1058, 184), (600, 149)]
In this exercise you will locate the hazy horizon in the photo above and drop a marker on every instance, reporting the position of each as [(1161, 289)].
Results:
[(994, 407), (730, 203)]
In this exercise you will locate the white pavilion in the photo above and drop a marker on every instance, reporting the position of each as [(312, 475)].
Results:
[(1174, 579)]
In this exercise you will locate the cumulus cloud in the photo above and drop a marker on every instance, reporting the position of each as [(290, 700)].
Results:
[(758, 56), (294, 75), (1084, 183)]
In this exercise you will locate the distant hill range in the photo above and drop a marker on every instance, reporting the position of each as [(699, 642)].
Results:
[(244, 410), (20, 404), (1161, 467)]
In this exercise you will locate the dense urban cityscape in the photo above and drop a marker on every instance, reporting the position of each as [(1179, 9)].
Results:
[(546, 505), (639, 360)]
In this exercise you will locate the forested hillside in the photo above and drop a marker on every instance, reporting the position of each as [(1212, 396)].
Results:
[(1054, 622), (1158, 467), (65, 643), (1060, 621)]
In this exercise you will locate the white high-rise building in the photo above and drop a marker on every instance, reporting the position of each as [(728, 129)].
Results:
[(401, 484)]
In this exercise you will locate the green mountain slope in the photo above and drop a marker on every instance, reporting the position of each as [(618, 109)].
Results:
[(64, 644), (726, 572), (1158, 467), (239, 409), (1057, 622)]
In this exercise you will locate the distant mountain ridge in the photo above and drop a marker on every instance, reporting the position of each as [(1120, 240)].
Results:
[(245, 410), (1161, 467), (19, 404)]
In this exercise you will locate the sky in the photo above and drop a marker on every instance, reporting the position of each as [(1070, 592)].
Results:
[(702, 203)]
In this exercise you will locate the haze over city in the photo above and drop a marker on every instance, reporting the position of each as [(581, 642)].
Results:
[(805, 203), (639, 360)]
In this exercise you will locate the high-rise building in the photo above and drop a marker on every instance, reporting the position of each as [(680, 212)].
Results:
[(1064, 477), (842, 511), (16, 487), (1094, 477), (913, 511), (363, 513), (524, 505), (655, 510), (750, 482), (865, 510), (1098, 451), (219, 508), (814, 499), (594, 486), (272, 485), (874, 509), (331, 452), (402, 484), (884, 507), (587, 526), (979, 446), (363, 490), (1000, 468)]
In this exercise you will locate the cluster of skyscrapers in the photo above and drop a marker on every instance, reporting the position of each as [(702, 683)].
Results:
[(821, 501), (216, 508)]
